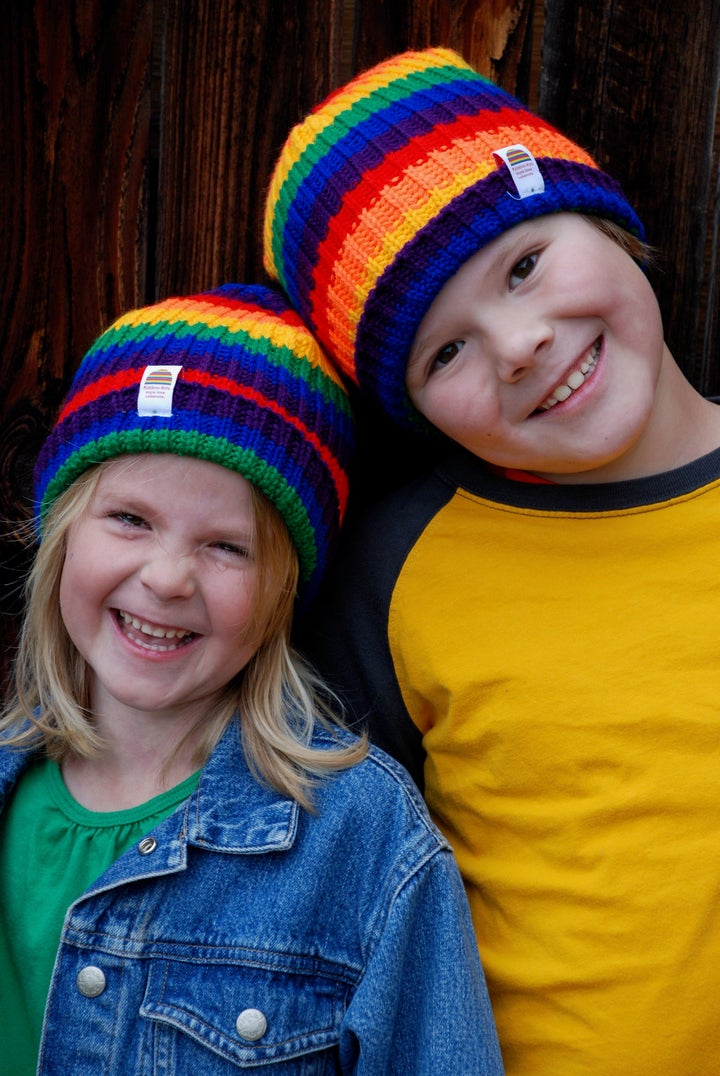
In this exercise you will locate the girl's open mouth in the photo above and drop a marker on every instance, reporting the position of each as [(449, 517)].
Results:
[(152, 636)]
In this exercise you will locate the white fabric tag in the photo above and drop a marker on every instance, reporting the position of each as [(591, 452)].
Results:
[(155, 394), (523, 169)]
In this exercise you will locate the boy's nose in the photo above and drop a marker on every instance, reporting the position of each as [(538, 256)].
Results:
[(169, 575), (518, 345)]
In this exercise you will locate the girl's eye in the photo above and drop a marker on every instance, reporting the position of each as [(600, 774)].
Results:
[(233, 550), (446, 355), (128, 519), (522, 270)]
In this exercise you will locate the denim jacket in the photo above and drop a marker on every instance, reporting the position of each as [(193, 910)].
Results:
[(246, 934)]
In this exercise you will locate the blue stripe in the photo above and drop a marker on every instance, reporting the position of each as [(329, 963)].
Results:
[(302, 385), (321, 522)]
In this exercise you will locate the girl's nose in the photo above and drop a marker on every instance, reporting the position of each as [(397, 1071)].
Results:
[(169, 575)]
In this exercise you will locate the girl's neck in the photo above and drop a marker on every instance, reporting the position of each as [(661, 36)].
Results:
[(110, 783), (142, 756)]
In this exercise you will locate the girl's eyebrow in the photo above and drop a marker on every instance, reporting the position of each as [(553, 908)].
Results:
[(127, 499)]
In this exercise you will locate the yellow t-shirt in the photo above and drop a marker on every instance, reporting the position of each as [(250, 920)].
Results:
[(569, 695), (558, 648)]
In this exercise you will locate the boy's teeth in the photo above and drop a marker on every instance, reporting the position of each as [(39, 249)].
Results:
[(575, 379)]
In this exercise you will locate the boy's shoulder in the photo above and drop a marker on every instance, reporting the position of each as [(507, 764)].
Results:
[(378, 541), (406, 507)]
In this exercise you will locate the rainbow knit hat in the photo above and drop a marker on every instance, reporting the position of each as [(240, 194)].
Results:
[(394, 181), (231, 376)]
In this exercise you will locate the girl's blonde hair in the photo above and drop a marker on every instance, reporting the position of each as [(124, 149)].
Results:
[(277, 696)]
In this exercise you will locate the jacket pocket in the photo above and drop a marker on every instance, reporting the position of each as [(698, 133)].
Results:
[(248, 1013)]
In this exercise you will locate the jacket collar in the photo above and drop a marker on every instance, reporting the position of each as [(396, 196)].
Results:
[(230, 810)]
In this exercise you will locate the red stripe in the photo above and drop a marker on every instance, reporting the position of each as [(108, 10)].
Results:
[(224, 384), (102, 387), (516, 475), (129, 378)]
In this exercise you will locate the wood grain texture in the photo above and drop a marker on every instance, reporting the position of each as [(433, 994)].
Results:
[(494, 36), (235, 78), (75, 117)]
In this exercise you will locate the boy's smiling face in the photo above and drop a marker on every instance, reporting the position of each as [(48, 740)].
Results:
[(544, 353)]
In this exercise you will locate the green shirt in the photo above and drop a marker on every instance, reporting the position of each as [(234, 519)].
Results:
[(51, 850)]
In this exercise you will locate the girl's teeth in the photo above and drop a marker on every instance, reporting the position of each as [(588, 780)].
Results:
[(148, 629)]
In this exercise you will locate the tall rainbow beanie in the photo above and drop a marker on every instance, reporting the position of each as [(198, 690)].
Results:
[(395, 180), (231, 376)]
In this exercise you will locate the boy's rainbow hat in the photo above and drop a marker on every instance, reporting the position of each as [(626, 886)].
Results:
[(231, 376), (394, 181)]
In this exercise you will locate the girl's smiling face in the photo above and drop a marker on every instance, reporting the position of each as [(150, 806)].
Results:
[(159, 587), (544, 353)]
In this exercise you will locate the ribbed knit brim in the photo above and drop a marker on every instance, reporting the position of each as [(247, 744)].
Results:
[(394, 181), (254, 393)]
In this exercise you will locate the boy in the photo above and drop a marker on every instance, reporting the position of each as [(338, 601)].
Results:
[(532, 629)]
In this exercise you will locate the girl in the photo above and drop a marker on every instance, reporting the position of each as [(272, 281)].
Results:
[(200, 871)]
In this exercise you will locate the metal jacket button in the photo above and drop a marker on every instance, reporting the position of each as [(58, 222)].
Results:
[(91, 981), (251, 1024), (147, 846)]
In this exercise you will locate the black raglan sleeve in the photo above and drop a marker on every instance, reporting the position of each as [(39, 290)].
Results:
[(345, 634)]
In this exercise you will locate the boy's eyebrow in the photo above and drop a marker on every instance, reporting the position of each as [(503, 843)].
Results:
[(416, 351), (496, 263), (421, 346)]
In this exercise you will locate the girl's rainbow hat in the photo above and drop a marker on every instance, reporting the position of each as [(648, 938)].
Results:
[(231, 376)]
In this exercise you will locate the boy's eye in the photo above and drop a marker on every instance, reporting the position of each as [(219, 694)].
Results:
[(522, 269), (446, 354)]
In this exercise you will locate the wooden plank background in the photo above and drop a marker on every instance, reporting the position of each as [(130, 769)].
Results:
[(138, 136)]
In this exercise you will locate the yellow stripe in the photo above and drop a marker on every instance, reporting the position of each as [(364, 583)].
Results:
[(256, 325)]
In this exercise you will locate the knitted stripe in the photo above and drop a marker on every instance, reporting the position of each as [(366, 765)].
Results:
[(361, 116), (214, 418), (168, 337), (286, 392), (313, 199), (428, 261), (360, 246)]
